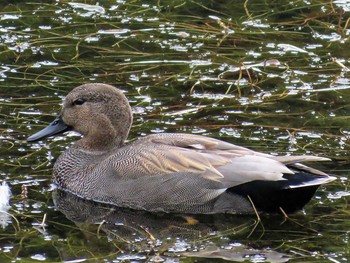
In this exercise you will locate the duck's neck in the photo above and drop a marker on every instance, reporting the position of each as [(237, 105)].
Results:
[(103, 137)]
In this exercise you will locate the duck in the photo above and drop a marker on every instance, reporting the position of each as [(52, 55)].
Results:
[(169, 172)]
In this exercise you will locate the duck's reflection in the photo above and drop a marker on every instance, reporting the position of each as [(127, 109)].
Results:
[(162, 235)]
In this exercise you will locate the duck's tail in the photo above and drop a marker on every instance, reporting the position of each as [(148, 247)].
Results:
[(290, 195)]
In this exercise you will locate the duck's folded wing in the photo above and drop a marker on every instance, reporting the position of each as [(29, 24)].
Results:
[(208, 158)]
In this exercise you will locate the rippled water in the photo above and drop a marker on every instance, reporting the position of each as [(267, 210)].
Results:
[(271, 76)]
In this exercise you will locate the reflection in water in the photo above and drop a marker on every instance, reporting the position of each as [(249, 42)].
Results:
[(240, 253), (140, 234)]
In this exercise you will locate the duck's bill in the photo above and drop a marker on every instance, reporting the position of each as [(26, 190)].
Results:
[(55, 127)]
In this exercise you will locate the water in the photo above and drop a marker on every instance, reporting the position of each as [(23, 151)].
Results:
[(271, 76)]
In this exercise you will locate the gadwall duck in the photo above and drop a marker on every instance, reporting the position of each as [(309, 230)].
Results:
[(169, 172)]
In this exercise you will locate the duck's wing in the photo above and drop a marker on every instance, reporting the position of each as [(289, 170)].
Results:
[(209, 158)]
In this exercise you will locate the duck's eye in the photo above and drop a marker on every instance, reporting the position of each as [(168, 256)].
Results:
[(79, 101)]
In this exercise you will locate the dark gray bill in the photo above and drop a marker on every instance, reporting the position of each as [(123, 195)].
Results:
[(55, 127)]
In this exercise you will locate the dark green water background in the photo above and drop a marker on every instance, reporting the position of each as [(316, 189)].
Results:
[(269, 75)]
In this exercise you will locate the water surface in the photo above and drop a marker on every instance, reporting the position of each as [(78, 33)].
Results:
[(270, 75)]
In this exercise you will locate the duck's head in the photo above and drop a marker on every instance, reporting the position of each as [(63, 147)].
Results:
[(100, 112)]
